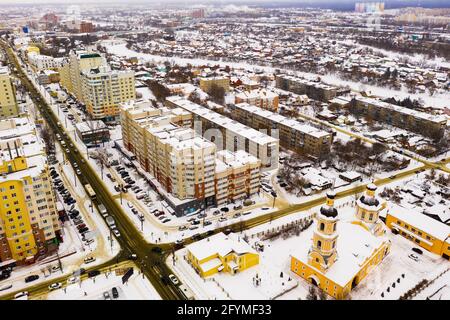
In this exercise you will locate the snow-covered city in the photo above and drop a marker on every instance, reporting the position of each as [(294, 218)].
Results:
[(222, 151)]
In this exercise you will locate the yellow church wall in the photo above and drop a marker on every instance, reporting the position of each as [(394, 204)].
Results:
[(308, 273), (335, 290)]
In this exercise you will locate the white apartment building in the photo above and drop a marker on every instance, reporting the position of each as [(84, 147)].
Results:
[(41, 62)]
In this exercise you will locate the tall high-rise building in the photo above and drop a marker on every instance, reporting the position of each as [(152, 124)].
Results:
[(29, 224), (91, 80), (8, 102)]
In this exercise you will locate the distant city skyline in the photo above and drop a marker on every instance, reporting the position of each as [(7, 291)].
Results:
[(341, 4)]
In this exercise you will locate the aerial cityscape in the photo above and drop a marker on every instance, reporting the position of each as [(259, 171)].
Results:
[(215, 150)]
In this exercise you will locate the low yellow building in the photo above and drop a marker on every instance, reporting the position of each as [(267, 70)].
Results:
[(342, 253), (426, 232), (221, 253)]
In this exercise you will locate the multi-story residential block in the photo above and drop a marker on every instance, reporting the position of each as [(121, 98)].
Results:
[(71, 70), (221, 253), (186, 166), (138, 117), (29, 224), (8, 102), (105, 89), (237, 176), (294, 135), (406, 118), (230, 134), (91, 80), (423, 230), (314, 90), (262, 98), (41, 62), (207, 83)]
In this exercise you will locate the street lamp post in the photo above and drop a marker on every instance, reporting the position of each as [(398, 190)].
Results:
[(274, 195), (111, 239), (120, 193)]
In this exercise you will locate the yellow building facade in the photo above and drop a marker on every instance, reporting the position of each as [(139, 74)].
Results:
[(221, 253), (29, 224), (424, 231), (342, 254)]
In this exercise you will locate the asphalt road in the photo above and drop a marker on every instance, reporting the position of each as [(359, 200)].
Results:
[(150, 262)]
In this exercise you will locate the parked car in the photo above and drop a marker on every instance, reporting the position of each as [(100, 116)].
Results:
[(88, 241), (89, 259), (83, 230), (115, 293), (80, 226), (116, 233), (31, 278), (106, 295), (413, 257)]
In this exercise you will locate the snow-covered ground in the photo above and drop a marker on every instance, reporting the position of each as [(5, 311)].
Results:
[(275, 259), (137, 288), (118, 47)]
